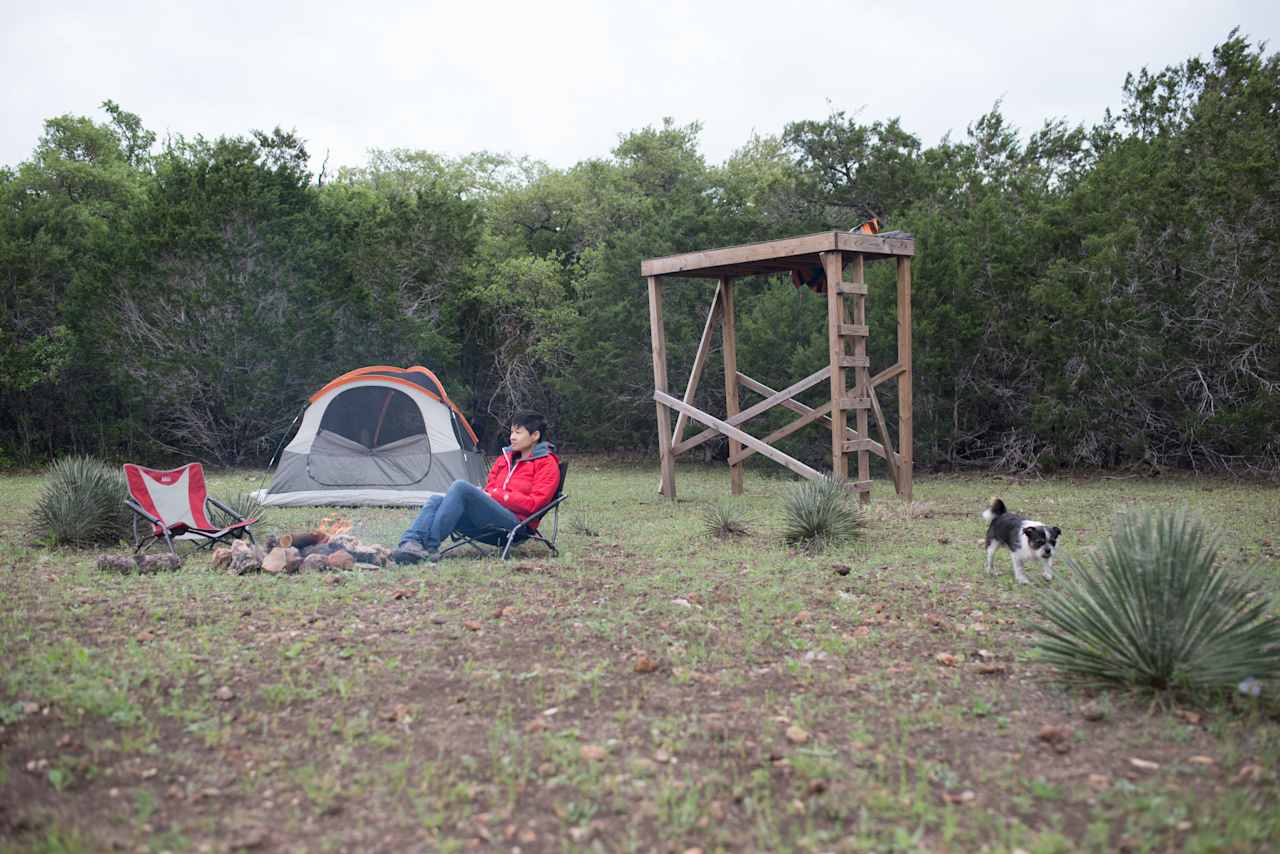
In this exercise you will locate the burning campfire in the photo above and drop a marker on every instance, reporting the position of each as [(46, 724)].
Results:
[(331, 527), (328, 546)]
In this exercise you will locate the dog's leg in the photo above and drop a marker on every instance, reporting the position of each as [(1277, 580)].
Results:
[(991, 554), (1048, 570), (1018, 574)]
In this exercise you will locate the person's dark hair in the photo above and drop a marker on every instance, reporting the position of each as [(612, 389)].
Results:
[(531, 421)]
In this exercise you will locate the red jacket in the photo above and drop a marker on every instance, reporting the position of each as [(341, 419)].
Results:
[(523, 483)]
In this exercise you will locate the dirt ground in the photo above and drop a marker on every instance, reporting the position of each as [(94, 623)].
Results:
[(651, 689)]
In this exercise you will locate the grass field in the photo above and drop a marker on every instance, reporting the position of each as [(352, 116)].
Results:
[(651, 689)]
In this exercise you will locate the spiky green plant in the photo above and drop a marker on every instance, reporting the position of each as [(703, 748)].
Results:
[(1155, 609), (244, 503), (82, 504), (819, 513), (725, 522)]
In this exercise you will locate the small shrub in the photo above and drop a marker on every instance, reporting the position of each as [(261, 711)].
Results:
[(819, 513), (725, 522), (244, 503), (583, 525), (82, 504), (1154, 609)]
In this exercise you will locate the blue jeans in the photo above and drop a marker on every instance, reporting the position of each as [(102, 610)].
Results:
[(465, 508)]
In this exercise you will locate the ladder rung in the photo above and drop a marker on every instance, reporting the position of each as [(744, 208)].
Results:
[(857, 330)]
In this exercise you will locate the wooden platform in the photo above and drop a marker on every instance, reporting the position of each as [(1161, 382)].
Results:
[(847, 332), (775, 256)]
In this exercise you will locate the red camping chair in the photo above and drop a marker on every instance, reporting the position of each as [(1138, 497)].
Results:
[(174, 502)]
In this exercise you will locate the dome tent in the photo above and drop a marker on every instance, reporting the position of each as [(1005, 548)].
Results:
[(379, 435)]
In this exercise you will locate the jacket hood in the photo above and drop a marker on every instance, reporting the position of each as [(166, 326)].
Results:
[(542, 449)]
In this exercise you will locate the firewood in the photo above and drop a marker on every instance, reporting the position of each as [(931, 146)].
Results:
[(363, 554), (340, 559), (122, 564), (345, 541), (303, 540), (247, 559), (275, 560), (164, 562)]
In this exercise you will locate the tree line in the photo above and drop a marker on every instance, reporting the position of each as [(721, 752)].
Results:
[(1083, 296)]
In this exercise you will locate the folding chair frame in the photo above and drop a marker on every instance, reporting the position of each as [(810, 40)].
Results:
[(181, 530), (505, 539)]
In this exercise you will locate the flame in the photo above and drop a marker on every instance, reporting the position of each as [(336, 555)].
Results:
[(331, 527)]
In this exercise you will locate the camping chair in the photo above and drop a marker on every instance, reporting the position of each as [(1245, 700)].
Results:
[(174, 503), (505, 539)]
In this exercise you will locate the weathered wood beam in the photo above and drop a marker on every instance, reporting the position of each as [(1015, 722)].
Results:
[(729, 336), (889, 456), (695, 263), (861, 363), (851, 435), (887, 374), (664, 399), (775, 398), (905, 442), (699, 360), (782, 432), (658, 335), (833, 268)]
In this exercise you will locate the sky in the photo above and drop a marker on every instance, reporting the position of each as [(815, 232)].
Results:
[(561, 81)]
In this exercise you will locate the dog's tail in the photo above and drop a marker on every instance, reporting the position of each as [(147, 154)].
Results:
[(997, 508)]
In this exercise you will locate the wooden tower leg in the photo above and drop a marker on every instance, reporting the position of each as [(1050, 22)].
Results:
[(833, 268), (659, 336), (904, 379), (730, 339), (862, 383)]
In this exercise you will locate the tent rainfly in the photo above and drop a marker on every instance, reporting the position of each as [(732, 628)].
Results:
[(376, 436)]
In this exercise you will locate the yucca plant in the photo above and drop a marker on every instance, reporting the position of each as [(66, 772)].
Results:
[(244, 503), (82, 504), (819, 513), (724, 522), (1154, 609)]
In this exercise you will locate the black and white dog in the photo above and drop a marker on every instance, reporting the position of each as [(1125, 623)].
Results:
[(1024, 538)]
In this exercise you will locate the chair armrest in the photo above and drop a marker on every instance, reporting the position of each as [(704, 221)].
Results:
[(137, 508), (546, 508), (224, 508)]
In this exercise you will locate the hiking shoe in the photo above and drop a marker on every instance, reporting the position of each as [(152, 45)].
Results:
[(411, 551)]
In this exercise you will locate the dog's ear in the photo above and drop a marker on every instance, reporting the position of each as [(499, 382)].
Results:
[(1054, 532), (1034, 533)]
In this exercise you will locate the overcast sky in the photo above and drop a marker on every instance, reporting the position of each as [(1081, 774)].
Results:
[(560, 81)]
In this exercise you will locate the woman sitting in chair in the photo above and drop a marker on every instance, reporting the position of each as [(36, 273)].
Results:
[(521, 482)]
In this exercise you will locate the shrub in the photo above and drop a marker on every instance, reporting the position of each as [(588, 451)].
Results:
[(82, 504), (1154, 609), (724, 522), (584, 525), (244, 503), (818, 513)]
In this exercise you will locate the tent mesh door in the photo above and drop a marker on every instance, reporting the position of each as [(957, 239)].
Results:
[(370, 436)]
